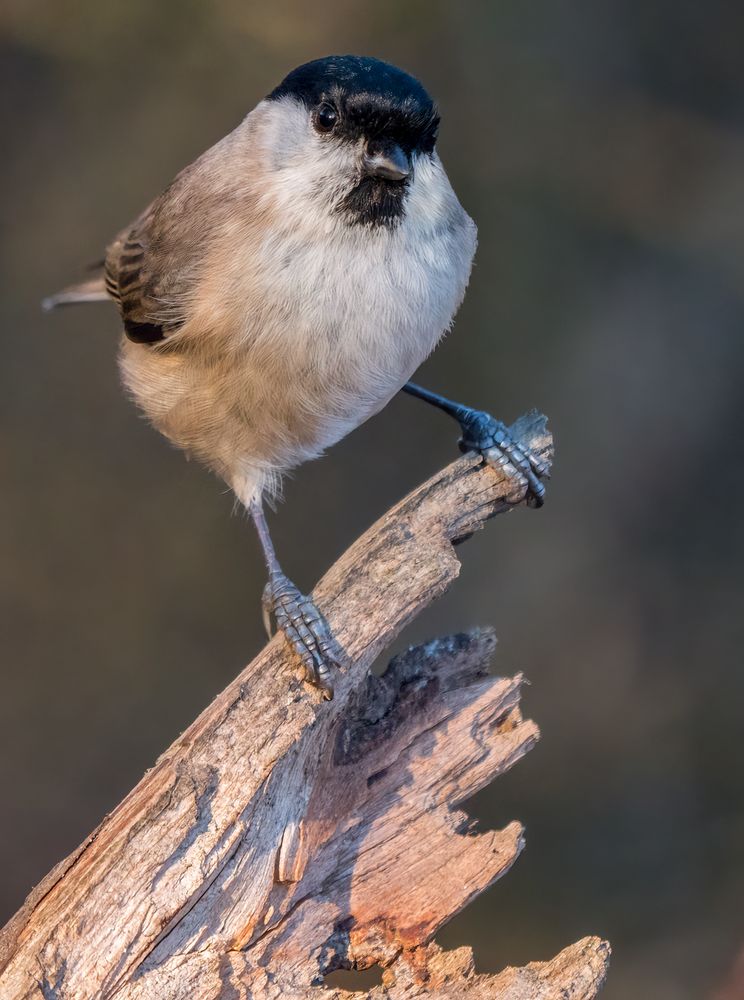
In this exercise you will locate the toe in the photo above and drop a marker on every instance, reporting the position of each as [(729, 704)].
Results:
[(492, 438), (535, 490), (266, 610), (515, 462), (325, 683), (305, 630), (310, 660), (315, 665), (539, 466)]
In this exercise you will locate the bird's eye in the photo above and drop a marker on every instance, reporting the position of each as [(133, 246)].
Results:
[(325, 118)]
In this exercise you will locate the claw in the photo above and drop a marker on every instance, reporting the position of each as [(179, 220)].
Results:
[(266, 612), (481, 432), (305, 630)]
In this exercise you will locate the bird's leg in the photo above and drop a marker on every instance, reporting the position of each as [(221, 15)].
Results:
[(482, 433), (304, 628)]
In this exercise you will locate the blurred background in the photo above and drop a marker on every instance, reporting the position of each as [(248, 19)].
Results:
[(600, 148)]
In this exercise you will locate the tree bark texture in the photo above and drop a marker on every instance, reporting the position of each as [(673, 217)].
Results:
[(282, 837)]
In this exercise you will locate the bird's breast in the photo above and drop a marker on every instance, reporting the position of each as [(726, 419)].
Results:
[(366, 305), (296, 342), (334, 325)]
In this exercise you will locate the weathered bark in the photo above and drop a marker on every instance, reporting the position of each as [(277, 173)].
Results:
[(282, 837)]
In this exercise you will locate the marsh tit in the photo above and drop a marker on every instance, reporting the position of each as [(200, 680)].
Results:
[(287, 284)]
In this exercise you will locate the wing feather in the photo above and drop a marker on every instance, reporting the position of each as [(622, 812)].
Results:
[(153, 268)]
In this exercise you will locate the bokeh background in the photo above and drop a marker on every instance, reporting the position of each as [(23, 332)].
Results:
[(600, 147)]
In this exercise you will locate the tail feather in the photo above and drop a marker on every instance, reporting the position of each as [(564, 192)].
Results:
[(92, 290)]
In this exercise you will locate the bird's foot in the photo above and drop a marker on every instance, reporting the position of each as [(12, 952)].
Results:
[(304, 628), (482, 433)]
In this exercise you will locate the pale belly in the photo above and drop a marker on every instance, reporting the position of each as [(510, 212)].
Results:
[(255, 413), (254, 393)]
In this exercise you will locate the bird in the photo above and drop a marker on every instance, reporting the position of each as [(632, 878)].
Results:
[(286, 285)]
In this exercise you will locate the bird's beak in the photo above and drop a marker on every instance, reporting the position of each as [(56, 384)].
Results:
[(386, 160)]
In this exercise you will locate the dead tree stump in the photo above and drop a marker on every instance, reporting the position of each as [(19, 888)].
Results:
[(282, 837)]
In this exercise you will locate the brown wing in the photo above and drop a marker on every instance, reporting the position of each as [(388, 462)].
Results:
[(153, 268), (138, 280)]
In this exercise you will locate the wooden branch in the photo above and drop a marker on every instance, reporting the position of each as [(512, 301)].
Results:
[(282, 837)]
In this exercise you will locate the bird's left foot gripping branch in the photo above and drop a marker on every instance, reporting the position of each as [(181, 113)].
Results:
[(492, 440), (287, 284)]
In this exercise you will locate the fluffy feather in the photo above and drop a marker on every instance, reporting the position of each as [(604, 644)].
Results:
[(281, 321)]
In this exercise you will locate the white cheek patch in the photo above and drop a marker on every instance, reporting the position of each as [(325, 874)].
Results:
[(283, 134), (431, 200), (304, 170)]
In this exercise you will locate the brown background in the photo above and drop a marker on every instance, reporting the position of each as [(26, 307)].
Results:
[(600, 148)]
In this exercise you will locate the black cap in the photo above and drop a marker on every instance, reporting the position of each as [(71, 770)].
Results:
[(372, 98)]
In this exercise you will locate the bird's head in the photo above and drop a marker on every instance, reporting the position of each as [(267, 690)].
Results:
[(352, 133)]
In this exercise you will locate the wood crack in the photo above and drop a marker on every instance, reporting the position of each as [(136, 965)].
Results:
[(281, 836)]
